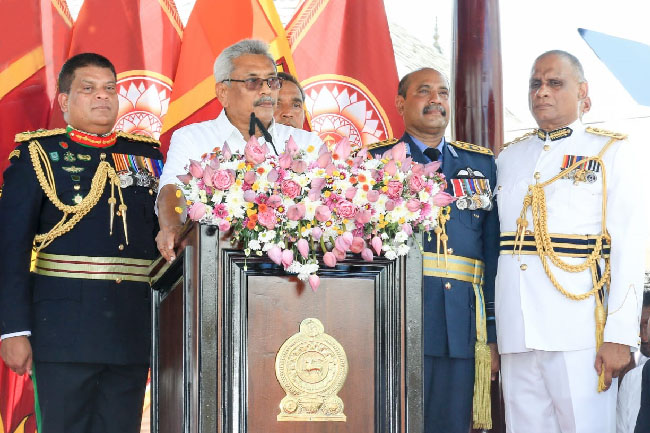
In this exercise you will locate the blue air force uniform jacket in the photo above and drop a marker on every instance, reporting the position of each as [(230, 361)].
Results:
[(449, 305), (88, 299)]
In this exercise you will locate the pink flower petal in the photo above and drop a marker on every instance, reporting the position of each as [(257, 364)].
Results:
[(303, 247), (314, 282)]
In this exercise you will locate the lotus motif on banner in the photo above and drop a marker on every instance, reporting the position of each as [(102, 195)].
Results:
[(144, 101)]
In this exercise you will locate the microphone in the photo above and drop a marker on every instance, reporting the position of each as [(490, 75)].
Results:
[(267, 136)]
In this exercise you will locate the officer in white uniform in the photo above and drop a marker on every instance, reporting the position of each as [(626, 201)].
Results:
[(247, 82), (572, 216)]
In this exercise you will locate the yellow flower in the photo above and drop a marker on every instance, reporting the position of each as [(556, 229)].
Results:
[(255, 186), (326, 194), (241, 165), (250, 212)]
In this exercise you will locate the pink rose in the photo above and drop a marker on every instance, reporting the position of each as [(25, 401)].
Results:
[(413, 205), (329, 259), (274, 201), (195, 169), (197, 211), (254, 152), (416, 183), (323, 213), (222, 179), (290, 188), (358, 244), (345, 209), (296, 212), (395, 189), (267, 219), (373, 195), (443, 199)]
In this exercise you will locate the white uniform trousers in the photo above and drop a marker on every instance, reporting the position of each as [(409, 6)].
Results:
[(556, 392)]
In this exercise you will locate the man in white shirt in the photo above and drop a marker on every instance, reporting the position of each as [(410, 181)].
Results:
[(247, 84), (629, 393), (570, 274)]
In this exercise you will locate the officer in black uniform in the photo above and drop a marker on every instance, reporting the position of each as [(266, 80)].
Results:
[(83, 199), (459, 261)]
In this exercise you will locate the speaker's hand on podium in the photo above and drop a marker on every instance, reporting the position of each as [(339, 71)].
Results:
[(166, 240), (170, 219)]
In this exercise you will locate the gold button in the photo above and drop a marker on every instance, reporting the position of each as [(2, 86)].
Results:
[(476, 215), (118, 213), (450, 251), (120, 247), (150, 191), (77, 187), (102, 156), (537, 175), (118, 281), (447, 285), (547, 147), (523, 267)]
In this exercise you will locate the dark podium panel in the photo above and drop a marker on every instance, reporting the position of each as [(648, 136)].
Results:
[(241, 346)]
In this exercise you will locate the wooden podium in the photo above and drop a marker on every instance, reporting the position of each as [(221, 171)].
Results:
[(241, 346)]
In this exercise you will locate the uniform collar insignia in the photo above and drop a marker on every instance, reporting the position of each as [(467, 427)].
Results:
[(91, 140), (556, 134)]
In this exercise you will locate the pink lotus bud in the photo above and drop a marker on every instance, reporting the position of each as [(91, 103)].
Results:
[(324, 160), (314, 194), (350, 193), (323, 213), (340, 255), (431, 168), (390, 168), (185, 178), (316, 233), (342, 150), (296, 212), (358, 244), (195, 169), (318, 183), (363, 153), (399, 151), (373, 195), (366, 255), (226, 152), (413, 205), (348, 237), (406, 228), (287, 258), (275, 254), (363, 217), (214, 164), (342, 243), (314, 282), (376, 244), (285, 161), (273, 175), (224, 225), (197, 211), (274, 201), (417, 169), (329, 259), (299, 166), (443, 199), (208, 173), (292, 147), (250, 177), (303, 247), (390, 205), (249, 196)]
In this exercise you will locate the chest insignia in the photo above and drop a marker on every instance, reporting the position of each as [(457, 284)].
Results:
[(585, 172), (69, 157), (54, 156), (472, 190)]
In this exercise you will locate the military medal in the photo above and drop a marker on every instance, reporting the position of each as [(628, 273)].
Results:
[(472, 190), (140, 170), (585, 172), (69, 157)]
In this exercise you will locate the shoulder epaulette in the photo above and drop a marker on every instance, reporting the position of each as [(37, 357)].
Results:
[(30, 135), (14, 153), (518, 139), (137, 137), (383, 143), (471, 147), (604, 132)]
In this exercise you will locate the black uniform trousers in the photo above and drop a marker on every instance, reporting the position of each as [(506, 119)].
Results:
[(90, 398)]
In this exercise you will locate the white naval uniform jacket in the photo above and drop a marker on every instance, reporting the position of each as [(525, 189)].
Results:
[(531, 314), (192, 141)]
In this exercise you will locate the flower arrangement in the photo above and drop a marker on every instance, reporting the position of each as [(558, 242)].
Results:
[(302, 202)]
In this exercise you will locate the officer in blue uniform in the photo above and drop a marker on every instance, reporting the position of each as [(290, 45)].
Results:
[(83, 198), (459, 263)]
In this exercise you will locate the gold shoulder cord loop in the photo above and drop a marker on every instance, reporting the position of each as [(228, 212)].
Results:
[(536, 200), (46, 180)]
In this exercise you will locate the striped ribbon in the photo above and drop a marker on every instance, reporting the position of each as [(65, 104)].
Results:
[(136, 164), (458, 268), (563, 245)]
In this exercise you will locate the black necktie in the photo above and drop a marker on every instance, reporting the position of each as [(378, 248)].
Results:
[(432, 153)]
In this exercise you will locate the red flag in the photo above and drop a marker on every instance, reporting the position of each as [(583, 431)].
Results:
[(142, 38), (37, 36), (17, 412), (344, 58), (193, 99)]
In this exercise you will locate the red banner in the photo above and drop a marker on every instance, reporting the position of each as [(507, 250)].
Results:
[(193, 99), (344, 58), (37, 36), (142, 38)]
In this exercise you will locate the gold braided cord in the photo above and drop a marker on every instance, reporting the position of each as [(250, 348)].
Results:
[(46, 180)]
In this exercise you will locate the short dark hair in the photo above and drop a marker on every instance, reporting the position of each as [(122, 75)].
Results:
[(573, 60), (403, 85), (288, 77), (79, 61)]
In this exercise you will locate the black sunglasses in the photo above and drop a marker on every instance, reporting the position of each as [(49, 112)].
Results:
[(274, 83)]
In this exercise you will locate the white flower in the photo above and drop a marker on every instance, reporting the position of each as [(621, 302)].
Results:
[(401, 236), (254, 244), (384, 236), (267, 236), (403, 249), (390, 255)]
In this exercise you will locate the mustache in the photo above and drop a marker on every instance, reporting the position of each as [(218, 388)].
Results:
[(428, 108), (264, 100)]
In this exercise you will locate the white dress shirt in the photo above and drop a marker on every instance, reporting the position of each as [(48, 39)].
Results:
[(531, 314), (192, 141), (629, 399)]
